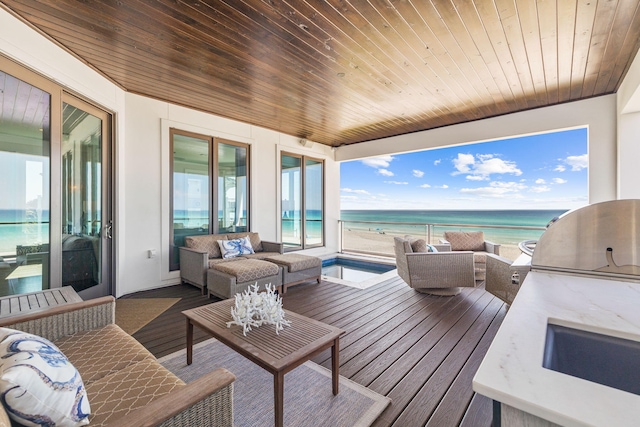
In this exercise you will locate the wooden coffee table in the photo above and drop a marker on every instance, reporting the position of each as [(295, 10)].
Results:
[(277, 354)]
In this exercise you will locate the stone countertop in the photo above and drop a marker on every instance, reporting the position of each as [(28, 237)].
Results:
[(512, 372)]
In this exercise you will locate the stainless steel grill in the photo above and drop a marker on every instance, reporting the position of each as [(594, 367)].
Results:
[(602, 239)]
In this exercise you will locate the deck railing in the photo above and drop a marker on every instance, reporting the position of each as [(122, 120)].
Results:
[(376, 238)]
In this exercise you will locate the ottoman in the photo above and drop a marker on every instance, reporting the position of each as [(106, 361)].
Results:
[(297, 268), (226, 279)]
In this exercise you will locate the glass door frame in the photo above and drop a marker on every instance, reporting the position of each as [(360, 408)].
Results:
[(213, 170), (58, 96), (105, 285), (303, 201)]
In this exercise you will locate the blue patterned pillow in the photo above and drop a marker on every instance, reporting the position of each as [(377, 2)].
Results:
[(38, 384), (235, 247)]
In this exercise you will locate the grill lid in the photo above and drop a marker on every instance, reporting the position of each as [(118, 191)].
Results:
[(602, 239)]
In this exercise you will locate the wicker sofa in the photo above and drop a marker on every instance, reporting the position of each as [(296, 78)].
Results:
[(126, 386), (201, 254)]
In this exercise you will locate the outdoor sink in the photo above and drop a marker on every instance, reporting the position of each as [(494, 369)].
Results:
[(603, 359)]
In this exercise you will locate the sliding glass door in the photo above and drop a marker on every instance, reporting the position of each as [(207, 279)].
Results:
[(190, 170), (55, 204), (232, 187), (25, 162), (302, 192), (200, 203), (83, 196)]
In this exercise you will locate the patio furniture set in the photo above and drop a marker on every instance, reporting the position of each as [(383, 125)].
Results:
[(461, 259), (203, 264)]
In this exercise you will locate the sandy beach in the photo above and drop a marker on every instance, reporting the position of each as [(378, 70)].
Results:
[(381, 243)]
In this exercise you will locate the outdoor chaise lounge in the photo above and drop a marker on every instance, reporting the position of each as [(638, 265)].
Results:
[(203, 265), (203, 253), (437, 273)]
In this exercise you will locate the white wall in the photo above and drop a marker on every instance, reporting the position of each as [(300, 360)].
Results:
[(146, 173), (598, 114), (629, 133)]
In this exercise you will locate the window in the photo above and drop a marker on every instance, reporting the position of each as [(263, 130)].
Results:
[(195, 160), (302, 181)]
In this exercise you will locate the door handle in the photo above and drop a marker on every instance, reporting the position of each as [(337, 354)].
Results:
[(108, 230)]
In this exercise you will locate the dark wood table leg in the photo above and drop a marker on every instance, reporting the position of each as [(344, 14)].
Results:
[(335, 364), (278, 395), (189, 342)]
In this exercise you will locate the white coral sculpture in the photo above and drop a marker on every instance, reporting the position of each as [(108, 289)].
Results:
[(253, 309)]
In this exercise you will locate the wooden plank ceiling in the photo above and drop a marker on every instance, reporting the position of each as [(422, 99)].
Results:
[(346, 71)]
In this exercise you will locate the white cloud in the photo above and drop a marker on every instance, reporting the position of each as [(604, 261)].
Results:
[(425, 186), (343, 197), (578, 162), (540, 189), (418, 173), (497, 189), (396, 182), (482, 166), (437, 162), (385, 172), (464, 162), (378, 162), (559, 181), (349, 190), (493, 165), (442, 186), (540, 181)]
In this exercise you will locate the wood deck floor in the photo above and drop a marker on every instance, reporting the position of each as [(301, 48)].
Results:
[(422, 351)]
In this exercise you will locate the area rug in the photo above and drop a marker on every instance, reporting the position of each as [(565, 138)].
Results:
[(132, 314), (308, 399)]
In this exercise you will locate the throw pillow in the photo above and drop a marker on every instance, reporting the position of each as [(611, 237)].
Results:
[(235, 247), (420, 245), (465, 240), (38, 384)]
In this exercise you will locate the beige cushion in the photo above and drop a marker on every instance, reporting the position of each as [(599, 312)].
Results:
[(99, 352), (4, 418), (214, 261), (206, 243), (465, 240), (295, 262), (116, 395), (248, 270), (480, 257), (254, 238), (419, 245), (260, 255)]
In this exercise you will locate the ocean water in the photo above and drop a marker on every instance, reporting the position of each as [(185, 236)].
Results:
[(22, 227), (387, 222)]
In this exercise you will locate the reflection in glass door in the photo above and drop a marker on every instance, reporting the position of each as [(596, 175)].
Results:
[(25, 135), (190, 183), (291, 201), (83, 129), (232, 188)]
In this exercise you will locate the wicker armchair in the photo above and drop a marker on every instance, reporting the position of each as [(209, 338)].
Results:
[(437, 273), (472, 241), (108, 359)]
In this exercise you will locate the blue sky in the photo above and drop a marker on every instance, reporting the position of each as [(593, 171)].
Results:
[(546, 171)]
